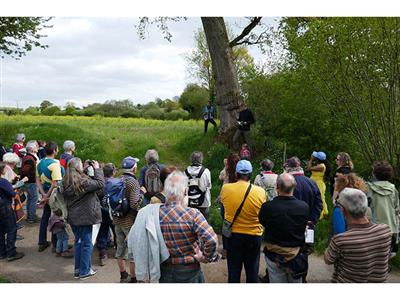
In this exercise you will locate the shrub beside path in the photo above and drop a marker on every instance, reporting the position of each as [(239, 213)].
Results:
[(45, 267)]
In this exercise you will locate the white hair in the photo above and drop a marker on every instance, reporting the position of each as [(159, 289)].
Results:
[(31, 145), (10, 158), (175, 186), (151, 156), (354, 202), (69, 145), (20, 137)]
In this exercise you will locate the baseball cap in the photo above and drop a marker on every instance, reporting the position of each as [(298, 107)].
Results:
[(320, 155), (129, 162), (244, 167)]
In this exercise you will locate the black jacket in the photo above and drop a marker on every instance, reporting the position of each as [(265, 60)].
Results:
[(247, 117), (285, 220), (84, 208)]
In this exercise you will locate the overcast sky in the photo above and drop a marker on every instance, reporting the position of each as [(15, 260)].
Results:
[(97, 59)]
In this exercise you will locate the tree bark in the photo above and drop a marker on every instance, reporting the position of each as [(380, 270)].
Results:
[(228, 94)]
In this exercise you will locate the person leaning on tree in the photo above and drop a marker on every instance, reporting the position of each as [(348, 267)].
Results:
[(244, 121)]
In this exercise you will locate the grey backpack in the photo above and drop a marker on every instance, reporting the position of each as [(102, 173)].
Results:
[(152, 181)]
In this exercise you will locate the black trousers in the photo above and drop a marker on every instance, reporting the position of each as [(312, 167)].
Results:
[(206, 124), (243, 250)]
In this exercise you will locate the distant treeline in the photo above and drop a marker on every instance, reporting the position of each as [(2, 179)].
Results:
[(158, 109), (187, 106)]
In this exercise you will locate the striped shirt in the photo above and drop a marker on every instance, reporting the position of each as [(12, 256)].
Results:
[(361, 254), (183, 229)]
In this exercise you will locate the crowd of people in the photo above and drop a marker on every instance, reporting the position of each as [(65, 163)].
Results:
[(159, 223)]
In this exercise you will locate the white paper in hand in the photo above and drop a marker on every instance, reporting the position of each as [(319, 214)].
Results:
[(309, 236)]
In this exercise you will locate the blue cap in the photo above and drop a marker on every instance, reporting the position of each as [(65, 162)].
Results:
[(129, 162), (320, 155), (244, 167)]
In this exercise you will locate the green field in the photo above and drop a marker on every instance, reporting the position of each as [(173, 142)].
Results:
[(112, 139)]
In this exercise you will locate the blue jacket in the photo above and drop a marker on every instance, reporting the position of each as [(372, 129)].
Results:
[(307, 191), (209, 112), (6, 190)]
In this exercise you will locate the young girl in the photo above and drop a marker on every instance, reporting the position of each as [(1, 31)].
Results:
[(57, 226)]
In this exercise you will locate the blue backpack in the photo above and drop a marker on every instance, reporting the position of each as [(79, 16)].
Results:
[(116, 198)]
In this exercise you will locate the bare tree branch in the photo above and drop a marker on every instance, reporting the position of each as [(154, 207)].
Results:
[(246, 31)]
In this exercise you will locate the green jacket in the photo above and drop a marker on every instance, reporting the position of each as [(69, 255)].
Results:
[(383, 199)]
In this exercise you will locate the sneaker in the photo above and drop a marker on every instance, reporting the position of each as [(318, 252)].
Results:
[(90, 274), (16, 256), (43, 247), (19, 237), (124, 277), (102, 260), (133, 280), (76, 274), (20, 226), (66, 254)]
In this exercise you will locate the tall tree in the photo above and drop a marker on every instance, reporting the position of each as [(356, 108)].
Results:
[(199, 65), (354, 66), (228, 94), (19, 35)]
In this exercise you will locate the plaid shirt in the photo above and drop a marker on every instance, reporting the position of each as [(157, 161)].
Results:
[(183, 228)]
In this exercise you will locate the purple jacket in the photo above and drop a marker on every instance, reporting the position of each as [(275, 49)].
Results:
[(56, 224)]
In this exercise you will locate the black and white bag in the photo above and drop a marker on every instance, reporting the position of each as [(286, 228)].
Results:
[(196, 195)]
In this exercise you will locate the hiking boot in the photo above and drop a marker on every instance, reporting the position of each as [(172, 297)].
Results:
[(90, 274), (67, 254), (133, 280), (124, 277), (43, 247), (16, 256)]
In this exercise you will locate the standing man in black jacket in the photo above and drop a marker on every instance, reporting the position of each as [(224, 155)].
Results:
[(285, 219), (245, 119)]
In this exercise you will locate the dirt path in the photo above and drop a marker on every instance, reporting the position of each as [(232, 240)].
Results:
[(44, 267)]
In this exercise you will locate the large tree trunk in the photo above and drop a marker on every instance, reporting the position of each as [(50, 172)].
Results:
[(227, 85)]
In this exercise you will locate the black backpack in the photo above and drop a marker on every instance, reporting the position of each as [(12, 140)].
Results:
[(196, 195)]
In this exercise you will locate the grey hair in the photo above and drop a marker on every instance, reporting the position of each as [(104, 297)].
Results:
[(151, 156), (76, 163), (197, 158), (286, 183), (31, 145), (354, 202), (68, 145), (175, 186), (20, 137), (10, 158)]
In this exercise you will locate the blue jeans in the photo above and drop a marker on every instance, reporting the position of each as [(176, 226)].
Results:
[(7, 227), (83, 248), (172, 275), (102, 237), (62, 241), (31, 202), (243, 249), (44, 221)]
